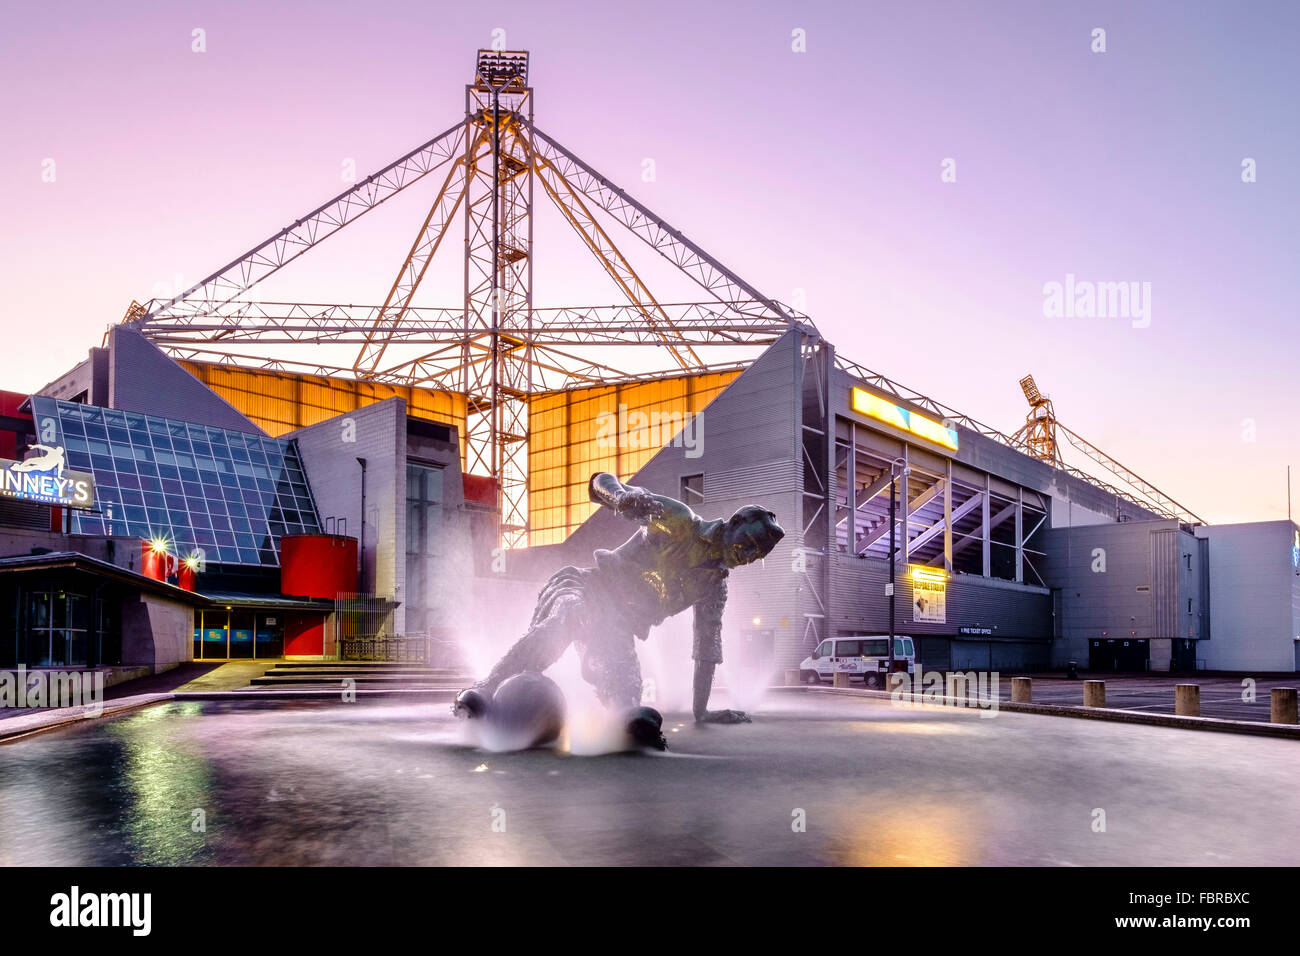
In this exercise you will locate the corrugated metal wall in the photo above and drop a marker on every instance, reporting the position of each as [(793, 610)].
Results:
[(1203, 591), (1164, 583), (142, 378), (751, 457), (1127, 581), (858, 602), (281, 402), (615, 428), (747, 455)]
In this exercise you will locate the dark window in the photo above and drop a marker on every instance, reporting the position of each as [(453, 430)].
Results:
[(423, 524), (693, 490), (57, 628), (423, 504)]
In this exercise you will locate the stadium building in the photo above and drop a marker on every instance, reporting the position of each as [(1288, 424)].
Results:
[(1003, 560), (177, 497)]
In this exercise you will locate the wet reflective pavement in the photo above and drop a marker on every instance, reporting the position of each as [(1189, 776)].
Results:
[(372, 784)]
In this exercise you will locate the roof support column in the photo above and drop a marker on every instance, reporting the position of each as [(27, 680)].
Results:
[(947, 518), (985, 529), (906, 499), (1020, 535), (851, 476)]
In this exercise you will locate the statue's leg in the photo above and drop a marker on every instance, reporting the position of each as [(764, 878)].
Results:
[(539, 648), (610, 664), (707, 653)]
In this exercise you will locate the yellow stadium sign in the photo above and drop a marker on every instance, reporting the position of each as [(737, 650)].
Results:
[(873, 406)]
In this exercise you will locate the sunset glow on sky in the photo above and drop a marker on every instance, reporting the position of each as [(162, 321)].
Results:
[(817, 176)]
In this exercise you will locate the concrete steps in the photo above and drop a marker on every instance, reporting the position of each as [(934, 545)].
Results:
[(372, 674), (356, 667)]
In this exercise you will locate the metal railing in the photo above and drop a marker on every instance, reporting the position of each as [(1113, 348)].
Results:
[(407, 650), (1156, 503)]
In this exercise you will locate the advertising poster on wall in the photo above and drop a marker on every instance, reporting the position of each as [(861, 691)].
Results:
[(929, 596)]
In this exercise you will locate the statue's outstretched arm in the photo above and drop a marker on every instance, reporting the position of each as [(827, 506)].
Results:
[(628, 501)]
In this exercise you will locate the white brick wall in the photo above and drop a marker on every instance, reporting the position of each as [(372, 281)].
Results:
[(378, 434)]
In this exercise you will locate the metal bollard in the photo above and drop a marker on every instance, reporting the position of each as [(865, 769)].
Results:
[(793, 677), (1094, 693), (1021, 690), (841, 679), (1282, 706), (1187, 700)]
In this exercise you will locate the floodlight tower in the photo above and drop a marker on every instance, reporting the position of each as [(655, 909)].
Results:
[(495, 347), (496, 357), (1039, 431)]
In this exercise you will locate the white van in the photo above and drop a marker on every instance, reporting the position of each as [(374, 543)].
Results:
[(865, 656)]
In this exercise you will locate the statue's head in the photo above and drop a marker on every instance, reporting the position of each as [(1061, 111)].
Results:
[(750, 534)]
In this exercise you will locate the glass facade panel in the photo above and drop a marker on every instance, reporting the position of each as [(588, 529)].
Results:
[(270, 635), (279, 402), (157, 478), (423, 519), (211, 635), (238, 634), (241, 634)]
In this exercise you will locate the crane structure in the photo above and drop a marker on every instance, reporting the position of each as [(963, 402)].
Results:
[(1038, 438), (495, 346)]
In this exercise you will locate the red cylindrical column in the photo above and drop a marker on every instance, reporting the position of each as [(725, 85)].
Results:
[(318, 565), (153, 561)]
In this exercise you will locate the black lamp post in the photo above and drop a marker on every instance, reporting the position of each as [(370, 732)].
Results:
[(892, 508), (894, 471), (361, 549)]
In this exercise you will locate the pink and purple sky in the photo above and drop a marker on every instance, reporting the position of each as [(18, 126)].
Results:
[(817, 171)]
